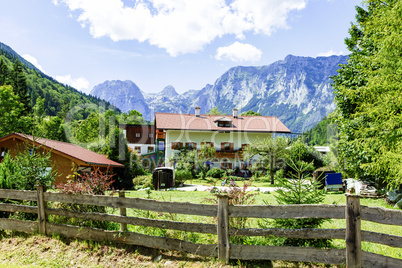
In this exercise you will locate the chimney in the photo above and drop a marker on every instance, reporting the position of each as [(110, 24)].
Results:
[(197, 111), (235, 113)]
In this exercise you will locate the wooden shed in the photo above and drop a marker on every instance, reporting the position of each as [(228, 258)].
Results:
[(64, 156)]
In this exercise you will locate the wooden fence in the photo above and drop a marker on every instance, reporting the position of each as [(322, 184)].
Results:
[(352, 256)]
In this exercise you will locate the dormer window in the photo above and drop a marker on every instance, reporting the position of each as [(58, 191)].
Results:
[(223, 122)]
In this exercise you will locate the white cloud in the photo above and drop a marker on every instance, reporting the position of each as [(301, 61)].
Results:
[(238, 52), (181, 26), (34, 61), (330, 53), (79, 83)]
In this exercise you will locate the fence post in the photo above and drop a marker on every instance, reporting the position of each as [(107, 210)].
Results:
[(353, 231), (223, 228), (123, 212), (41, 209)]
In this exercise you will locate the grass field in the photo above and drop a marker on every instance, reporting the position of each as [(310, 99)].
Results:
[(269, 198), (18, 250)]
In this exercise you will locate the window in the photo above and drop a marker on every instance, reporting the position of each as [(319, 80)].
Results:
[(3, 152), (150, 149), (177, 145), (138, 149), (227, 146), (226, 165), (137, 135), (151, 135), (191, 145), (243, 146), (223, 122)]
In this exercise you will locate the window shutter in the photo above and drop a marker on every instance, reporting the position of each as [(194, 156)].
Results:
[(231, 146), (173, 145), (223, 146)]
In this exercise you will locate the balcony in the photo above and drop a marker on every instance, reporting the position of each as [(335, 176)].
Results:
[(229, 153), (161, 135)]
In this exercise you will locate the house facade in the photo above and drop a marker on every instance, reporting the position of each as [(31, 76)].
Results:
[(66, 158), (228, 134), (140, 138)]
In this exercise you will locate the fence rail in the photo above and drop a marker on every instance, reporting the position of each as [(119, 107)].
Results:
[(352, 256)]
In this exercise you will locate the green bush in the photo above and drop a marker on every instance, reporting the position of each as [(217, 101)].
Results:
[(216, 173), (182, 175), (143, 181)]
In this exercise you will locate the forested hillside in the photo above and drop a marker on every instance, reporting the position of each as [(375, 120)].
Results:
[(323, 133), (35, 104), (58, 98)]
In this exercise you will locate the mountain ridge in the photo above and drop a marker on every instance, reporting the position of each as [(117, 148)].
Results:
[(296, 89)]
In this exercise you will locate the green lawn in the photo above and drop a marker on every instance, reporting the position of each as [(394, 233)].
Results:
[(239, 182), (261, 198)]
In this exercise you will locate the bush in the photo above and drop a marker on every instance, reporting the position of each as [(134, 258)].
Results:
[(94, 183), (182, 175), (216, 173), (143, 181)]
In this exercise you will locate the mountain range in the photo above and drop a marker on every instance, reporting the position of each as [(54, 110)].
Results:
[(297, 90)]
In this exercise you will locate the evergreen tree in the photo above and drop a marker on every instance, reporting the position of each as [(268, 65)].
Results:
[(299, 189), (3, 72), (20, 86)]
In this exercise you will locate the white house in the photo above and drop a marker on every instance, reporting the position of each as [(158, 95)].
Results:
[(228, 134)]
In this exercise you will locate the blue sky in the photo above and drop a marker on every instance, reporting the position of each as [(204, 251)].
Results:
[(155, 43)]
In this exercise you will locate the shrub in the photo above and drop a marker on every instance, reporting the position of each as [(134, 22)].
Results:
[(216, 173), (143, 181), (182, 175), (94, 183), (237, 196)]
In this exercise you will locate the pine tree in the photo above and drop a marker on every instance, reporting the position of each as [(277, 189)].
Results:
[(20, 86), (3, 73)]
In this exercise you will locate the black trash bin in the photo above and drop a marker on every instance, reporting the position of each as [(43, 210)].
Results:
[(163, 178)]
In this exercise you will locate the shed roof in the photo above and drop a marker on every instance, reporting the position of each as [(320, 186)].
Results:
[(171, 121), (68, 149)]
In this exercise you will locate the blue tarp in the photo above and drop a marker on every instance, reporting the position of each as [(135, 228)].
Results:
[(333, 178)]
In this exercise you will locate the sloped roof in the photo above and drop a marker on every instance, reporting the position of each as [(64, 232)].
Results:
[(166, 121), (68, 149)]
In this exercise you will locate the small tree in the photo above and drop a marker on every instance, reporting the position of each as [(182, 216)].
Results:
[(33, 167), (299, 189), (270, 151), (186, 159), (215, 111), (202, 156)]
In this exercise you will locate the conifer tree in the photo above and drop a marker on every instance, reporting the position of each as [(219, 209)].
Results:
[(3, 73), (20, 86)]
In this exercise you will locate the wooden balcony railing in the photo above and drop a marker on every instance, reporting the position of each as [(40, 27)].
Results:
[(161, 135)]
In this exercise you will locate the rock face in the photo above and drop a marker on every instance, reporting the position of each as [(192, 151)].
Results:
[(125, 95), (297, 90)]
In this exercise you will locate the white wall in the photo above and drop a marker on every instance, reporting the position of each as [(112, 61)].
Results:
[(238, 138), (144, 147)]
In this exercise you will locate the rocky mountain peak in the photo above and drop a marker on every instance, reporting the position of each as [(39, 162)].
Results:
[(169, 91), (297, 90)]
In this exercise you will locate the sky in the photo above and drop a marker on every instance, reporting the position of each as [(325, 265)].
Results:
[(155, 43)]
